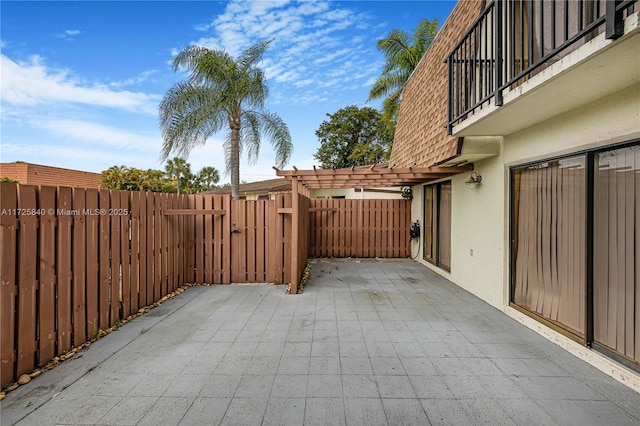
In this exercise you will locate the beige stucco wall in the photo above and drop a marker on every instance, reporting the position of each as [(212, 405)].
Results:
[(609, 120), (350, 193), (480, 218), (478, 233)]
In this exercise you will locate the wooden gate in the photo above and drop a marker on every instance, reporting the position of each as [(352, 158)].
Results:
[(238, 241), (260, 240)]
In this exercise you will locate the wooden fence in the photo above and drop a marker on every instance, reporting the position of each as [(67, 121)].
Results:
[(359, 228), (77, 261)]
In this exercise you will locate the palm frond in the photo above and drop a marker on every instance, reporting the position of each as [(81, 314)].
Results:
[(251, 135), (226, 148), (257, 89), (252, 54), (402, 53), (189, 115), (277, 131)]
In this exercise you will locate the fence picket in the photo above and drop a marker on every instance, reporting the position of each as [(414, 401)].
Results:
[(92, 223), (65, 274), (261, 249), (115, 277), (142, 250), (134, 217), (170, 243), (250, 239), (27, 284), (78, 288), (209, 239), (8, 288), (164, 249), (157, 247), (47, 273), (104, 260)]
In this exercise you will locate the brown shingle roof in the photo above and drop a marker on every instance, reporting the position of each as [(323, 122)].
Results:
[(421, 137), (268, 186)]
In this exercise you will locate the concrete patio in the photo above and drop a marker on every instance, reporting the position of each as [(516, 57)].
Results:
[(366, 343)]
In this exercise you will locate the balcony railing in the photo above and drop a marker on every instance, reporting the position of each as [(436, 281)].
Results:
[(513, 40)]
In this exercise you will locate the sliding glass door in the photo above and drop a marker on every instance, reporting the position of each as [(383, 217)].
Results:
[(437, 222), (616, 246), (575, 257), (549, 241)]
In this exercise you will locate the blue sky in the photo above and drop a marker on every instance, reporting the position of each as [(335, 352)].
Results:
[(81, 81)]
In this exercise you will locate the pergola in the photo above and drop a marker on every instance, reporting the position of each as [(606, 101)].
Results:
[(374, 176)]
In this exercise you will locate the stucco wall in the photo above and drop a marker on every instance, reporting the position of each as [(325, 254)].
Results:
[(383, 194), (480, 218), (612, 119), (478, 226)]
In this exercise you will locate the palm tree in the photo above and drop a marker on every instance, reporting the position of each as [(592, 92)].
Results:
[(402, 52), (222, 92), (179, 170), (207, 177)]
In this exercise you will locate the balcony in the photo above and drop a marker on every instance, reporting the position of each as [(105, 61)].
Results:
[(524, 61)]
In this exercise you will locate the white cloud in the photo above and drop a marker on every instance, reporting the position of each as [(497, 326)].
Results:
[(32, 83), (310, 40), (140, 78), (332, 56), (201, 27), (69, 34)]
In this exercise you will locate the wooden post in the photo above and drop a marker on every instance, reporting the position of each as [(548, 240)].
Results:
[(295, 218)]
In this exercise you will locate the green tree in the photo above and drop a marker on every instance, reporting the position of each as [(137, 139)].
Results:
[(125, 178), (178, 170), (353, 137), (157, 181), (222, 93), (402, 53), (207, 178)]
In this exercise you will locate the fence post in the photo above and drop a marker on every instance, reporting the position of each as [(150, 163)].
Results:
[(295, 229)]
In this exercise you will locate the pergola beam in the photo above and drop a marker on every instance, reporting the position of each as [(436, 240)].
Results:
[(369, 176)]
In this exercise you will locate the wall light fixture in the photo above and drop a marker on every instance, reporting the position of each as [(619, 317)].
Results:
[(474, 180)]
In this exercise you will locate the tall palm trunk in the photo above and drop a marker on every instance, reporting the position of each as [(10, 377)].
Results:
[(234, 156)]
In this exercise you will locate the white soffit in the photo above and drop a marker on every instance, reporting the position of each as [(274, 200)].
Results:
[(476, 148)]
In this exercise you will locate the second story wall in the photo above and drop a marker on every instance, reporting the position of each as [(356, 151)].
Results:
[(421, 136)]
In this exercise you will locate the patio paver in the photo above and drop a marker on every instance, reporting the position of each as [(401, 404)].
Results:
[(370, 342)]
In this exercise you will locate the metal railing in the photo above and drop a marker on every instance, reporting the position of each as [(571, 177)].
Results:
[(513, 40)]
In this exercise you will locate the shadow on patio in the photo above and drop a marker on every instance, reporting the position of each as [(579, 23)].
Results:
[(370, 342)]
